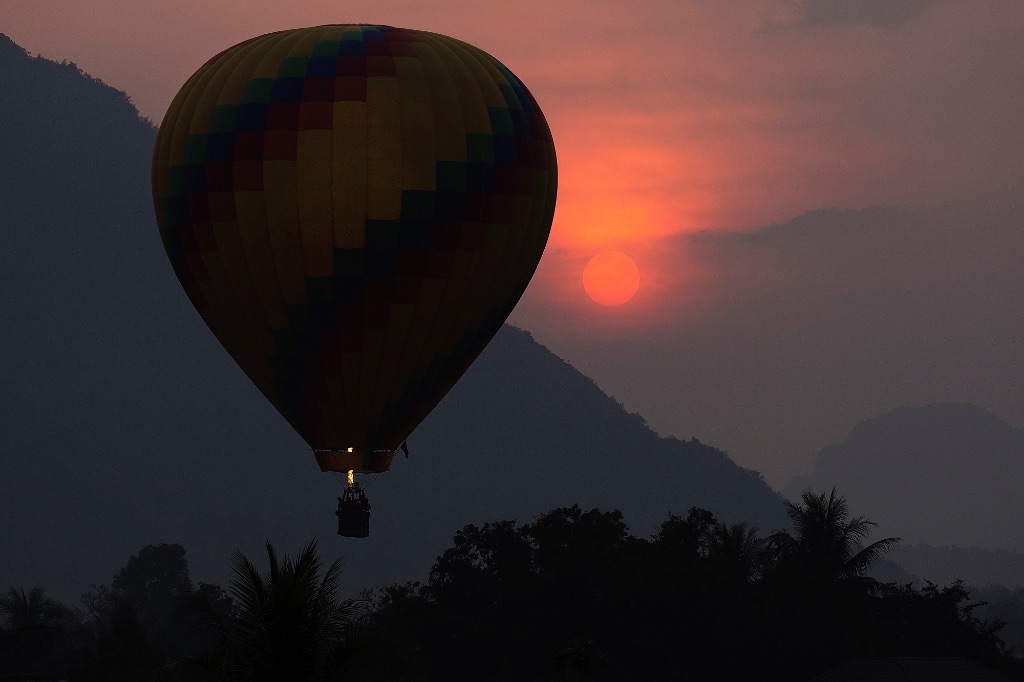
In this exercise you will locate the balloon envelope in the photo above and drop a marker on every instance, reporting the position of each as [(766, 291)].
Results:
[(354, 211)]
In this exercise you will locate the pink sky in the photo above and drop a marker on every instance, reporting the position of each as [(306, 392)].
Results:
[(669, 115)]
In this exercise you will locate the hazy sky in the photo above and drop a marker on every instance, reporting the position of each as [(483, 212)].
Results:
[(673, 118)]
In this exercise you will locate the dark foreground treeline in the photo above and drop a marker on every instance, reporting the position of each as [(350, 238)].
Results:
[(571, 596)]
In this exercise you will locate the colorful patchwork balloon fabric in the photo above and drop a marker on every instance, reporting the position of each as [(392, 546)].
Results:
[(354, 211)]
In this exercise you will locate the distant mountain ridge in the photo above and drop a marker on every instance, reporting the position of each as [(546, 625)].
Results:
[(943, 474), (976, 567), (126, 424)]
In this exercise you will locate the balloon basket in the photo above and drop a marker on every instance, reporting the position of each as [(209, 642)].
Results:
[(353, 513)]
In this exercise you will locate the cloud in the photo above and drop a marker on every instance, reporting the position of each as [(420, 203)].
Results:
[(886, 13), (779, 275)]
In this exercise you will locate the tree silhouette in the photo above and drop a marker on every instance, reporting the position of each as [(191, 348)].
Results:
[(288, 623), (154, 579), (154, 586), (37, 636), (828, 541), (572, 595), (735, 550), (288, 620), (119, 647), (34, 608)]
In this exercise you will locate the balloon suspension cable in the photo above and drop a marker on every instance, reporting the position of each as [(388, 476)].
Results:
[(370, 480), (374, 476)]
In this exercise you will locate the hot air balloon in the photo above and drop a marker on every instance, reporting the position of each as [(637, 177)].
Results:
[(354, 211)]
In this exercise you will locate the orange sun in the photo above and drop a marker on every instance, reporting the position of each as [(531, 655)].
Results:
[(611, 278)]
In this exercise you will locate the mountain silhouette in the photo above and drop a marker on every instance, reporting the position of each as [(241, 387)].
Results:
[(976, 567), (125, 423), (943, 474)]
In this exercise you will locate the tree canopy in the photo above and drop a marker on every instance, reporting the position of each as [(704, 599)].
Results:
[(569, 595)]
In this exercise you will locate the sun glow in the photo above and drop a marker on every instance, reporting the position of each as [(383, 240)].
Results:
[(611, 278)]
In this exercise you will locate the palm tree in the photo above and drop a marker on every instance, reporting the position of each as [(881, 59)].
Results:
[(735, 549), (26, 610), (290, 619), (40, 636), (828, 541), (287, 623)]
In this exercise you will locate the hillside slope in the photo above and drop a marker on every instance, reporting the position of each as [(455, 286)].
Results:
[(943, 474)]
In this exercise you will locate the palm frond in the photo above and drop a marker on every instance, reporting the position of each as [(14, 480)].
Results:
[(247, 585), (366, 653), (828, 538), (860, 562), (859, 528), (288, 620), (275, 569)]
